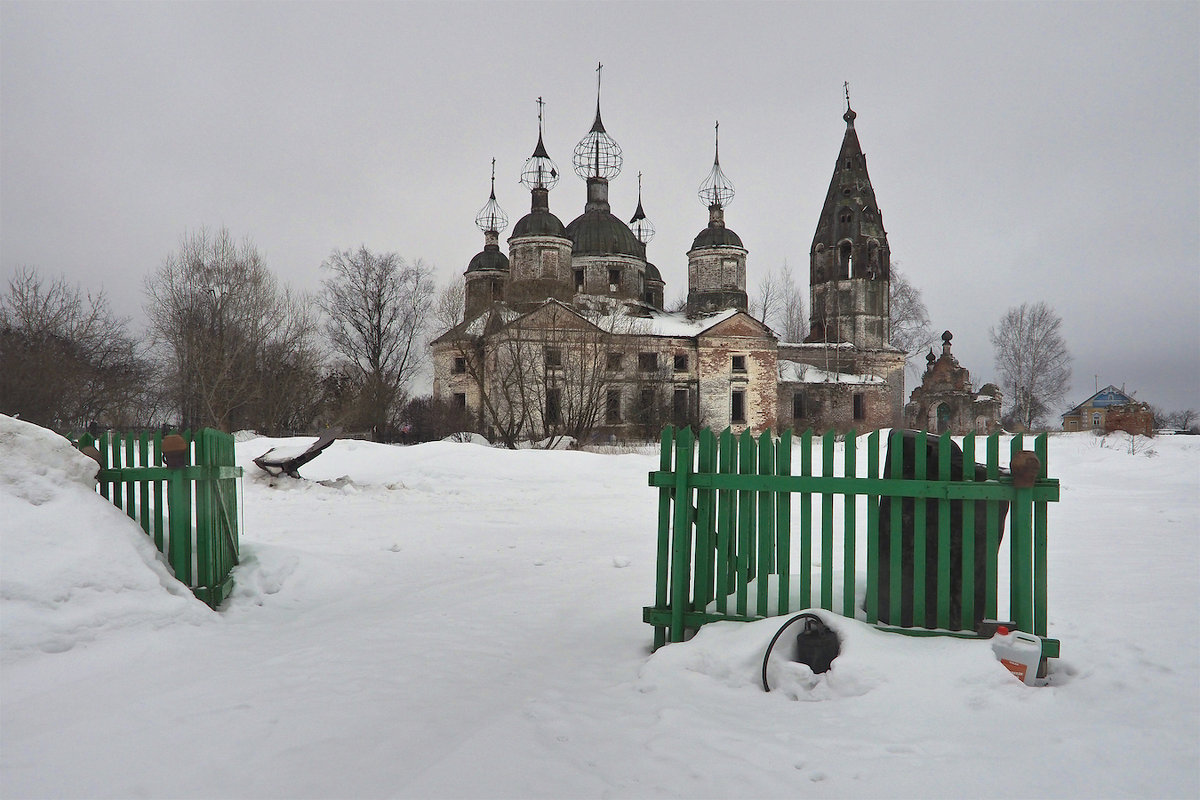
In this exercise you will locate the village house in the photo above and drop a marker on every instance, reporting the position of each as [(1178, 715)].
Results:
[(567, 334), (1110, 409)]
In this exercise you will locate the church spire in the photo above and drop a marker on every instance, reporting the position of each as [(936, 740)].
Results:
[(641, 226)]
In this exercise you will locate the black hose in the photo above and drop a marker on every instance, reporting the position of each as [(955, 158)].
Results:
[(774, 639)]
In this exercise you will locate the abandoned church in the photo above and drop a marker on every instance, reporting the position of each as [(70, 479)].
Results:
[(567, 334)]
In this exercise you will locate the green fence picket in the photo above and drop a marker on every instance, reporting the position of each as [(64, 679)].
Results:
[(783, 521), (849, 526)]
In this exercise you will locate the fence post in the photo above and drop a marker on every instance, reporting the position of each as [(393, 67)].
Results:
[(681, 576), (661, 593)]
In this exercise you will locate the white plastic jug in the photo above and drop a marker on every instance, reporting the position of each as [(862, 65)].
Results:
[(1021, 653)]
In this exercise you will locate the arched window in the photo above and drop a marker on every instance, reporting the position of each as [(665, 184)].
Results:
[(845, 259)]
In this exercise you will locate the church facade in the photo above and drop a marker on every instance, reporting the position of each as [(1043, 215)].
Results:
[(567, 333)]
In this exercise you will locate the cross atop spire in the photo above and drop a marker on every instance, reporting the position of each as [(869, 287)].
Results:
[(849, 115)]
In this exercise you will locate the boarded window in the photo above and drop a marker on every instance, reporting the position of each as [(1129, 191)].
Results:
[(647, 362), (612, 407), (737, 409), (549, 263)]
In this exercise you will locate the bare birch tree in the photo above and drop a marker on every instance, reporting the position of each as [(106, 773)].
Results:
[(1032, 360), (379, 310)]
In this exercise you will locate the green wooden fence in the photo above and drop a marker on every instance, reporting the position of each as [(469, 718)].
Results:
[(191, 512), (732, 545)]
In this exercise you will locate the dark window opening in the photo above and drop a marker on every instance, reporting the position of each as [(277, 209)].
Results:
[(497, 291), (799, 407), (579, 280), (845, 255), (737, 411), (679, 406), (739, 363), (647, 362), (553, 358), (681, 360), (646, 406), (553, 406), (614, 279), (460, 365), (460, 400), (860, 406), (614, 362), (612, 407)]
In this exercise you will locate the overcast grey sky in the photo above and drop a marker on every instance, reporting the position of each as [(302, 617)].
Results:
[(1019, 152)]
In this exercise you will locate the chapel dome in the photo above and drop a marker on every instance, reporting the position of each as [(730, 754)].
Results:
[(599, 232), (489, 258), (538, 223), (716, 236)]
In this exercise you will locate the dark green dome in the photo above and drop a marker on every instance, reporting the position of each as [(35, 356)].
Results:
[(489, 258), (716, 236), (538, 223), (652, 273), (601, 233)]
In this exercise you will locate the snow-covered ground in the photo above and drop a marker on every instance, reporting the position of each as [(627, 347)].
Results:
[(451, 620)]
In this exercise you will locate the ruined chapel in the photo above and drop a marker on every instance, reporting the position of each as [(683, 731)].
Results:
[(567, 334)]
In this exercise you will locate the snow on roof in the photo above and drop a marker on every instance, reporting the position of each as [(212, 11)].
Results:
[(660, 323), (793, 372)]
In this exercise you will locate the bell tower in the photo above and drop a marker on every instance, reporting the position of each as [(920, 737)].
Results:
[(850, 262)]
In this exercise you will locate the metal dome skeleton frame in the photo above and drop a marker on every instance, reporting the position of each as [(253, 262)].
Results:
[(597, 155), (717, 190), (491, 218), (540, 171)]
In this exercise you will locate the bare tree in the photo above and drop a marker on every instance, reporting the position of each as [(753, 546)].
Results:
[(218, 317), (66, 360), (779, 304), (450, 304), (1032, 360), (909, 323), (379, 309)]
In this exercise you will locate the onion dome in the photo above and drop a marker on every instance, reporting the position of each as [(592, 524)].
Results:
[(540, 175), (491, 219), (716, 192), (597, 231)]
